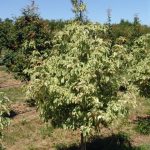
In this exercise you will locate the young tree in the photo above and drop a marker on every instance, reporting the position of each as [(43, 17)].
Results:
[(109, 22), (77, 87), (31, 10), (79, 9), (110, 31), (136, 27)]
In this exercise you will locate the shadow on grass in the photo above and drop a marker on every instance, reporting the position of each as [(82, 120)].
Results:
[(11, 114), (114, 142)]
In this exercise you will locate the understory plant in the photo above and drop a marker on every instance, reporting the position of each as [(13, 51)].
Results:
[(3, 109)]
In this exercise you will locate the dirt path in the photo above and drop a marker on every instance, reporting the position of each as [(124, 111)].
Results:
[(7, 80), (23, 111), (19, 110)]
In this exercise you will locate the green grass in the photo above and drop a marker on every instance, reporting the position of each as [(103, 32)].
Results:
[(143, 126), (3, 68), (14, 94), (143, 147), (46, 131)]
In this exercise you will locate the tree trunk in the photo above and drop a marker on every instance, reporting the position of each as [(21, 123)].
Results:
[(83, 142)]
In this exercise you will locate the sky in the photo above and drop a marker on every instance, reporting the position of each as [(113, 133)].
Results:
[(96, 9)]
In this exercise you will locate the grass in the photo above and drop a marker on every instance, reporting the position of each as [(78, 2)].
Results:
[(8, 86), (3, 68), (143, 126), (15, 94), (46, 131), (143, 147), (28, 132), (21, 131), (34, 134)]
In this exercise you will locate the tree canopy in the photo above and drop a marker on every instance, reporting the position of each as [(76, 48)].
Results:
[(78, 85)]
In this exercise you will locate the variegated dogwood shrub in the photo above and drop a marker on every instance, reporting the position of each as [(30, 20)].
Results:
[(78, 85)]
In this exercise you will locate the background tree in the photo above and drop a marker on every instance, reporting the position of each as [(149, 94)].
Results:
[(79, 9), (136, 27), (30, 33), (6, 34), (109, 23), (31, 10)]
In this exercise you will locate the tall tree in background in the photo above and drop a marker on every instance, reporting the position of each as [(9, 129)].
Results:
[(109, 22), (79, 9), (110, 31), (136, 27), (30, 33), (31, 10)]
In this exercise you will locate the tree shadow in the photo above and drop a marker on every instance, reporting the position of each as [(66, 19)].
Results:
[(145, 90), (10, 115), (114, 142)]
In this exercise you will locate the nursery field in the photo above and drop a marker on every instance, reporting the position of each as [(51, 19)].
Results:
[(74, 84), (27, 131)]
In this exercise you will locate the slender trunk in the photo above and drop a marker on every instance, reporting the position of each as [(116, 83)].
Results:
[(83, 142), (80, 13)]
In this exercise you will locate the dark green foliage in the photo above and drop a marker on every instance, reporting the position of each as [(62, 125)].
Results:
[(143, 125), (123, 29), (143, 147), (29, 32), (6, 33), (145, 89), (16, 62), (31, 102), (130, 30), (136, 27)]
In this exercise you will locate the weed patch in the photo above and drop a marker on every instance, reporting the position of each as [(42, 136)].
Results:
[(143, 125)]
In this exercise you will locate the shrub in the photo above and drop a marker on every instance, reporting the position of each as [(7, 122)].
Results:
[(3, 120), (77, 86), (140, 66)]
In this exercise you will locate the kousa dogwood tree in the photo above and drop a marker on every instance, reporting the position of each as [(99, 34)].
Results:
[(78, 85), (140, 68)]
